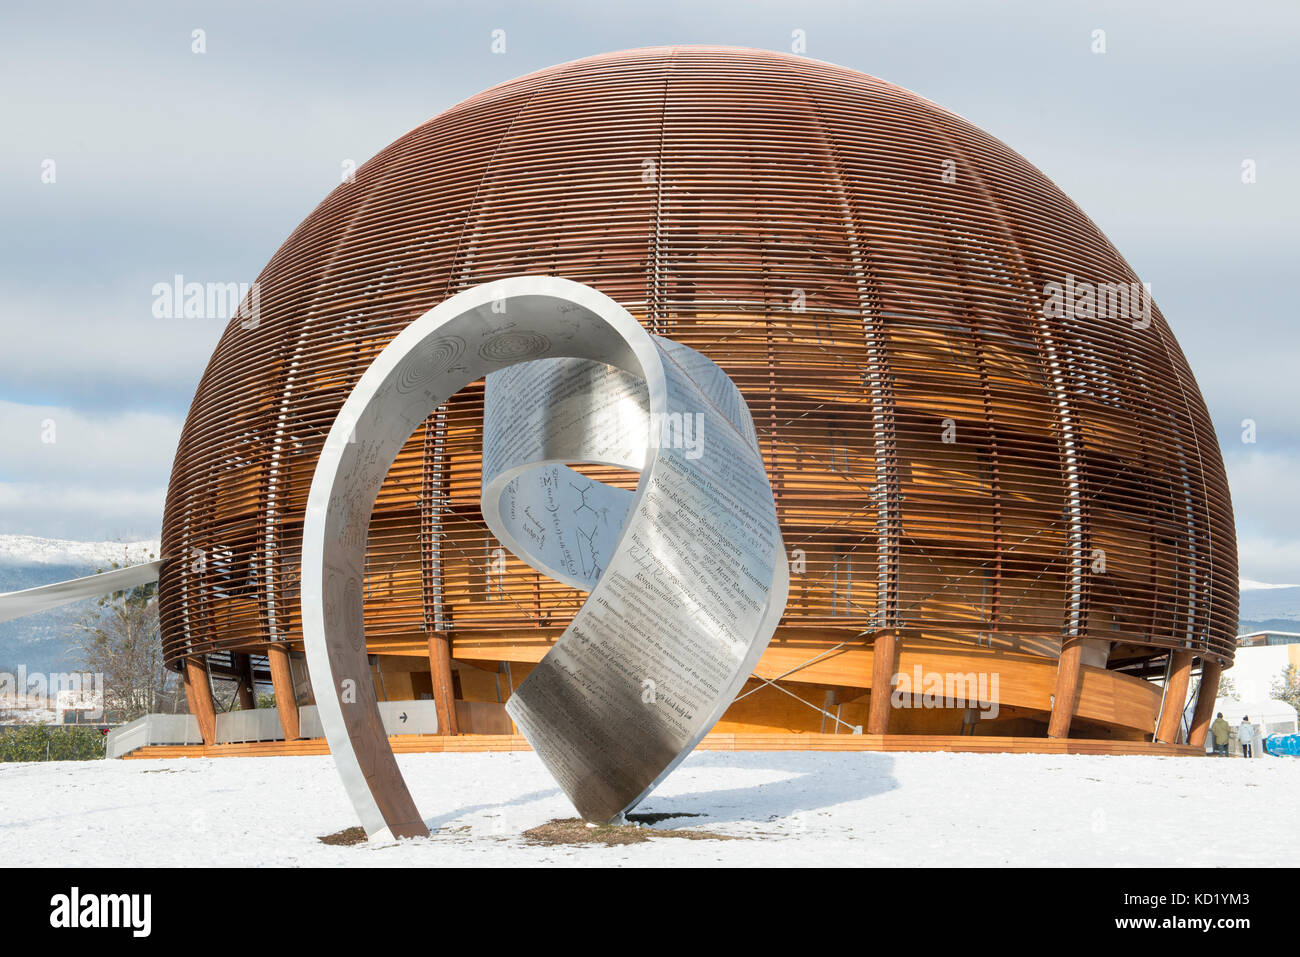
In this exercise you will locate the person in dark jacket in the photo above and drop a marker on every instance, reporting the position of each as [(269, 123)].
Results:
[(1221, 731)]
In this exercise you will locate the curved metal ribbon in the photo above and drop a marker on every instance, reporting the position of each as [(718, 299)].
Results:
[(687, 574), (29, 601)]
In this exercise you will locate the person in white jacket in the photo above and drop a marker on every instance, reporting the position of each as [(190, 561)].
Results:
[(1246, 737)]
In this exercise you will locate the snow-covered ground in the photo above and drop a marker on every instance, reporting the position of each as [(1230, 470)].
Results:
[(794, 808)]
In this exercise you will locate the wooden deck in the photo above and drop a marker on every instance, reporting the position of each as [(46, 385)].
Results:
[(435, 744)]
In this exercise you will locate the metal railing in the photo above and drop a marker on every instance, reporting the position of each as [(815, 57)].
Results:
[(152, 729), (256, 724), (399, 717)]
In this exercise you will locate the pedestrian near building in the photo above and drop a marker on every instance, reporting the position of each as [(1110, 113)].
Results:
[(1221, 731), (1246, 737)]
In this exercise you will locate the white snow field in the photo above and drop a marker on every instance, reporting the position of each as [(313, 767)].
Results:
[(791, 808)]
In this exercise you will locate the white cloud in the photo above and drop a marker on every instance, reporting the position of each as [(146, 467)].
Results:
[(102, 476), (1265, 485), (58, 445), (102, 351), (170, 162), (82, 512), (1271, 559)]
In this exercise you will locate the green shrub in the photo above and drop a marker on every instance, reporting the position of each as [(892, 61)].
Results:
[(45, 742)]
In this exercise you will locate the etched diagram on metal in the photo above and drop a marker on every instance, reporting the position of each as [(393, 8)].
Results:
[(687, 575), (515, 347)]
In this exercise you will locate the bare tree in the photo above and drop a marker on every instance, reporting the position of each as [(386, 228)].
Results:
[(1287, 687)]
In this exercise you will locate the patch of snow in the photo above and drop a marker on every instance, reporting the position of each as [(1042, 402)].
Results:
[(792, 808), (28, 714)]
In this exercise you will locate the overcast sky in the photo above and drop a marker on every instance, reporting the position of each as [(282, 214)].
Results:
[(170, 162)]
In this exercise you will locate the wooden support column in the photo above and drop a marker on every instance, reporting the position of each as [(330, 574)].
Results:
[(444, 690), (1210, 672), (198, 692), (286, 702), (1171, 712), (884, 658), (246, 688), (1065, 699)]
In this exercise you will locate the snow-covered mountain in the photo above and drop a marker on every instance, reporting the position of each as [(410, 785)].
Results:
[(28, 550), (40, 642)]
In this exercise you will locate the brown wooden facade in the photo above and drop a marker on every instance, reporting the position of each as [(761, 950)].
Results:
[(967, 483)]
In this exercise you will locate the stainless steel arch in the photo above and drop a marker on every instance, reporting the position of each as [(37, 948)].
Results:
[(677, 617)]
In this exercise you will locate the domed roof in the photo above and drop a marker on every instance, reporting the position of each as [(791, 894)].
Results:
[(977, 427)]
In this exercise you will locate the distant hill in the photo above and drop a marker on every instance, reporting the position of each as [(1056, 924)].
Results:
[(1270, 609), (40, 642)]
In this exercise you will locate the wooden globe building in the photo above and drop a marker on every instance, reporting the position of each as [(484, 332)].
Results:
[(991, 484)]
